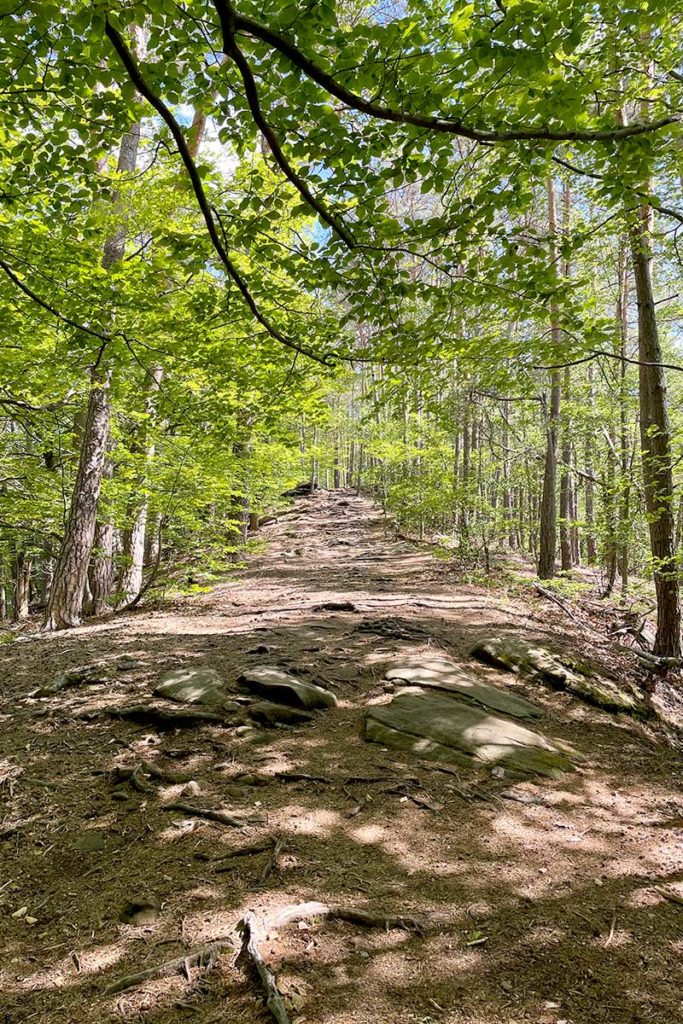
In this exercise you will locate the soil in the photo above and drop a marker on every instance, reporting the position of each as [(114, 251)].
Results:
[(557, 900)]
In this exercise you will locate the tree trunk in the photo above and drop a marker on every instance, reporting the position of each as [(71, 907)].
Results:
[(66, 598), (548, 524), (135, 540), (101, 575), (21, 577), (65, 606), (566, 552), (655, 438)]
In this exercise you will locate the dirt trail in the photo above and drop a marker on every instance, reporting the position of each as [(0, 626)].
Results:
[(551, 902)]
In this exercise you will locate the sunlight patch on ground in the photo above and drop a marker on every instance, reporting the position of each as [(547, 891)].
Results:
[(67, 971)]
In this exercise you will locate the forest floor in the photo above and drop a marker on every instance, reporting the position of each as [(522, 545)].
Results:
[(557, 899)]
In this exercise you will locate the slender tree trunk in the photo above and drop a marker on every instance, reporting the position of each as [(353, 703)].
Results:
[(65, 606), (624, 444), (548, 523), (566, 552), (21, 577), (135, 540), (655, 439)]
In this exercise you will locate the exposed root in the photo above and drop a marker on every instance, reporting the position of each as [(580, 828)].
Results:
[(256, 929), (222, 817), (147, 714), (205, 957)]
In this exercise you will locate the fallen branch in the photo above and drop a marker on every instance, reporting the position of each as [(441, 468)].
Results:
[(253, 936), (242, 851), (655, 661), (204, 957), (560, 604), (222, 817)]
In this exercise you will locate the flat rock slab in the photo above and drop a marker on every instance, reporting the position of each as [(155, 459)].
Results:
[(192, 686), (435, 726), (442, 674), (279, 686), (532, 660)]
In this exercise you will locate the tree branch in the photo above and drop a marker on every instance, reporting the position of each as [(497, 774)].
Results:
[(607, 355), (271, 138), (163, 111), (105, 338), (452, 126)]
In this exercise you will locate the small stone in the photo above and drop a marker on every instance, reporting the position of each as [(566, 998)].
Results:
[(120, 795), (31, 920), (191, 789), (21, 912)]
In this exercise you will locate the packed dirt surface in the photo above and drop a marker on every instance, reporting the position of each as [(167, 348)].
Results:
[(552, 899)]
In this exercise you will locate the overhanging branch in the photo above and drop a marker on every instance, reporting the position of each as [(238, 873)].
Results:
[(163, 111), (452, 126)]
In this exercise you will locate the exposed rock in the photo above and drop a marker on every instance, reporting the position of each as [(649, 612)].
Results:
[(435, 726), (192, 686), (442, 674), (267, 713), (279, 686), (532, 660)]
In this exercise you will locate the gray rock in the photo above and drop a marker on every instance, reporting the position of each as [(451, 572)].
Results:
[(192, 686), (437, 673), (532, 660), (279, 686), (435, 726), (267, 713)]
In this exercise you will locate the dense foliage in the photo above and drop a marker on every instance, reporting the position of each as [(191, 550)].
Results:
[(408, 247)]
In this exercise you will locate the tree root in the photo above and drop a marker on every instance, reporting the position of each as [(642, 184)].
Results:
[(146, 714), (256, 929), (134, 776), (205, 957), (222, 817)]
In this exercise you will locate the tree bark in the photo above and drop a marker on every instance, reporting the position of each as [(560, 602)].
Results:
[(21, 578), (548, 518), (65, 606), (655, 438), (135, 540)]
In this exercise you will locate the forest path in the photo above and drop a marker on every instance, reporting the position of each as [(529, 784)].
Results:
[(550, 890)]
